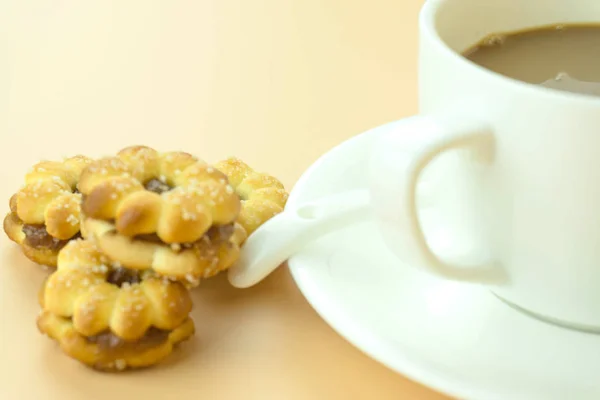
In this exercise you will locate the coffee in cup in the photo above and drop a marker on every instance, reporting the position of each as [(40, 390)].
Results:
[(560, 56)]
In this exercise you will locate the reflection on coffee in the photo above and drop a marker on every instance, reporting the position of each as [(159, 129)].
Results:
[(564, 57)]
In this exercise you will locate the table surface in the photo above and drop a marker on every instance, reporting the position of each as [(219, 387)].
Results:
[(275, 82)]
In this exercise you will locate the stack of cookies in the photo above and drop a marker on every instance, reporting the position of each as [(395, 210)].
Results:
[(130, 235)]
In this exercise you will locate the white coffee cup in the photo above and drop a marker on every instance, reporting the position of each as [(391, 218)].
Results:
[(524, 171)]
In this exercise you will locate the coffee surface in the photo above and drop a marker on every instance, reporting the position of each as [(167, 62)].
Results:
[(564, 57)]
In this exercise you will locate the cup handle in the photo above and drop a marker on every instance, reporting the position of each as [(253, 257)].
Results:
[(397, 161)]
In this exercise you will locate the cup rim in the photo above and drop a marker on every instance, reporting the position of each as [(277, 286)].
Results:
[(427, 24)]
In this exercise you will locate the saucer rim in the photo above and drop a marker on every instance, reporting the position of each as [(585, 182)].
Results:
[(358, 336)]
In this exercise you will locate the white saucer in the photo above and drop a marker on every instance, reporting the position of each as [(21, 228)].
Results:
[(456, 338)]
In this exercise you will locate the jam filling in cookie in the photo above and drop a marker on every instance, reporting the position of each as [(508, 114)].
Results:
[(37, 237), (157, 186), (120, 276), (108, 341), (216, 234)]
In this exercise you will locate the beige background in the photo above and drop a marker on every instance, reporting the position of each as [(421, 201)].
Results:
[(276, 82)]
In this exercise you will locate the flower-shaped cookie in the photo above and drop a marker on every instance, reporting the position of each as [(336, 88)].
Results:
[(172, 195), (45, 213), (262, 195), (168, 212), (109, 317)]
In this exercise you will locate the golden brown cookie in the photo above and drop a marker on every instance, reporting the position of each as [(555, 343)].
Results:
[(262, 195), (112, 318), (45, 213), (173, 195), (166, 212)]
